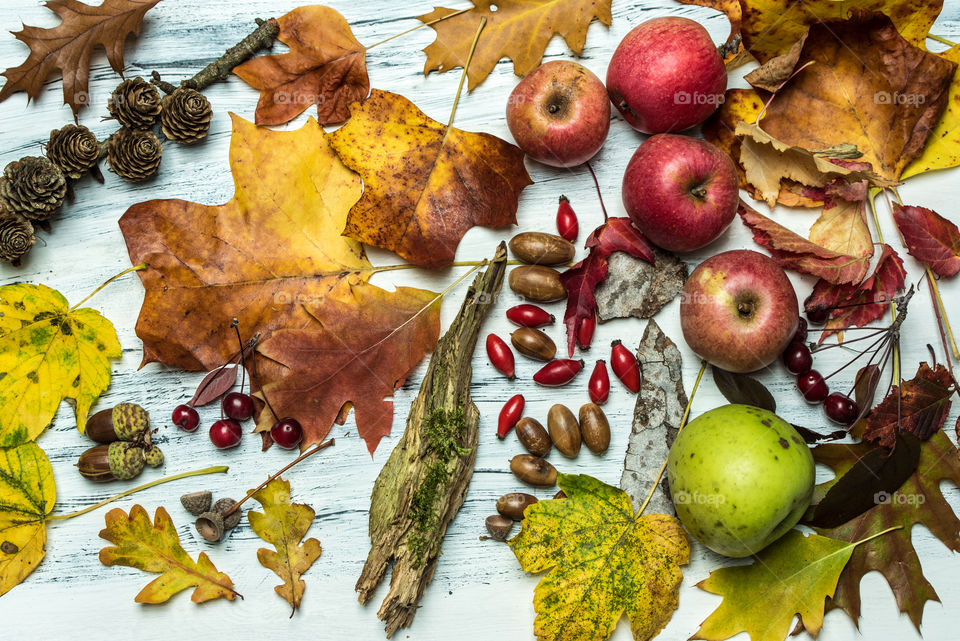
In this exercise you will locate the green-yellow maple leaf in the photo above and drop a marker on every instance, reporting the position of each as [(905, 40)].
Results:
[(602, 560), (283, 525), (48, 352)]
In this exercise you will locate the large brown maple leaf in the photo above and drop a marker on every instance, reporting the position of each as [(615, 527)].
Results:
[(68, 46)]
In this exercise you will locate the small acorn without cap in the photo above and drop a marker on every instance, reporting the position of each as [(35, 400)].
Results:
[(196, 503), (119, 460), (210, 526), (124, 422)]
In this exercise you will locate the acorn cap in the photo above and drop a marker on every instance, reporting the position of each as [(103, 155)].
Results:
[(135, 103), (210, 526), (74, 149), (196, 503), (499, 526), (126, 459), (16, 236), (130, 421), (134, 155), (153, 456), (221, 506), (186, 116), (33, 187)]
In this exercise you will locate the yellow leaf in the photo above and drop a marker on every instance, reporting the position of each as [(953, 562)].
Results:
[(842, 227), (424, 183), (27, 495), (792, 576), (602, 561), (48, 352), (943, 145), (156, 548), (516, 29), (283, 525)]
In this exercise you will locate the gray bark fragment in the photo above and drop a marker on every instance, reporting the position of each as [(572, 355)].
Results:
[(634, 287)]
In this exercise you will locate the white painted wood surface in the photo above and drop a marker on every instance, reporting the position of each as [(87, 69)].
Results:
[(479, 591)]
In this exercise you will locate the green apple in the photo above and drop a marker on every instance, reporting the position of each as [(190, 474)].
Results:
[(740, 478)]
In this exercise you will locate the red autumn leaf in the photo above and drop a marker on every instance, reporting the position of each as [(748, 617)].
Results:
[(325, 66), (930, 238), (919, 406), (796, 252), (580, 281), (214, 385), (857, 305)]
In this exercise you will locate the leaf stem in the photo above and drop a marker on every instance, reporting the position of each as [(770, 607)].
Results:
[(466, 69), (176, 477), (871, 201), (461, 263), (319, 447), (942, 40), (137, 268), (683, 422), (881, 533), (423, 24), (599, 195)]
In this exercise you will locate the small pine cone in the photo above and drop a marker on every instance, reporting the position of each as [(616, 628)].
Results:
[(134, 155), (73, 149), (135, 103), (33, 187), (186, 116), (16, 236)]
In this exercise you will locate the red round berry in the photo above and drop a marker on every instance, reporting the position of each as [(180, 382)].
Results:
[(813, 387), (818, 315), (237, 406), (186, 418), (801, 333), (840, 408), (226, 433), (287, 433), (797, 358)]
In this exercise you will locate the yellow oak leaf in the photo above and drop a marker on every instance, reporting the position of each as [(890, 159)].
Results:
[(943, 145), (794, 575), (424, 183), (602, 561), (283, 525), (156, 548), (48, 352), (516, 29), (27, 495)]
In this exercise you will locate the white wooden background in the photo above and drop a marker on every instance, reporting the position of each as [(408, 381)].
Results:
[(479, 591)]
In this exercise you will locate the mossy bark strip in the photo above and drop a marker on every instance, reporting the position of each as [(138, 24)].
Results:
[(424, 482)]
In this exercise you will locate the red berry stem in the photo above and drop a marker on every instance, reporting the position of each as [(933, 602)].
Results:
[(243, 356), (596, 184)]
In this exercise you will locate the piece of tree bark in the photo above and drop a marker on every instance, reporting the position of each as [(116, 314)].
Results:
[(425, 480), (634, 287), (656, 420)]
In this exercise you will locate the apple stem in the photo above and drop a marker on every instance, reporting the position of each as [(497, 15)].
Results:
[(596, 184), (881, 533), (683, 422)]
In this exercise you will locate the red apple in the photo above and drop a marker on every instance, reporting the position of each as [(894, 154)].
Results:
[(666, 75), (738, 310), (681, 192), (559, 114)]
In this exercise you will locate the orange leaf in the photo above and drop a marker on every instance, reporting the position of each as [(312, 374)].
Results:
[(516, 29), (424, 183), (326, 67), (156, 548), (276, 244), (359, 346), (69, 45), (868, 87)]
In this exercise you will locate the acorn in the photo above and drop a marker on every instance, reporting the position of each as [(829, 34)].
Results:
[(196, 503), (221, 507), (118, 460), (210, 526), (125, 422)]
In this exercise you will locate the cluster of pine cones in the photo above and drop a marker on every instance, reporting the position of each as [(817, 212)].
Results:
[(34, 187)]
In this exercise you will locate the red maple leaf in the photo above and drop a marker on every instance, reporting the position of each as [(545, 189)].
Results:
[(920, 406), (930, 238), (580, 281), (858, 305)]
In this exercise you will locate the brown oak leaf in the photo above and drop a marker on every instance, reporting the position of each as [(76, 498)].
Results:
[(424, 183), (326, 67), (867, 86), (930, 238), (69, 45), (515, 29), (796, 252), (919, 406)]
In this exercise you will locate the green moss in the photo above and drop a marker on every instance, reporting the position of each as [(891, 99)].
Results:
[(443, 431)]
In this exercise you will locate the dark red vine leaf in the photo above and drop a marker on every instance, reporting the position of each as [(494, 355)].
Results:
[(580, 281), (920, 406), (214, 385), (743, 389), (865, 386), (858, 305), (930, 238), (796, 252), (918, 501)]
